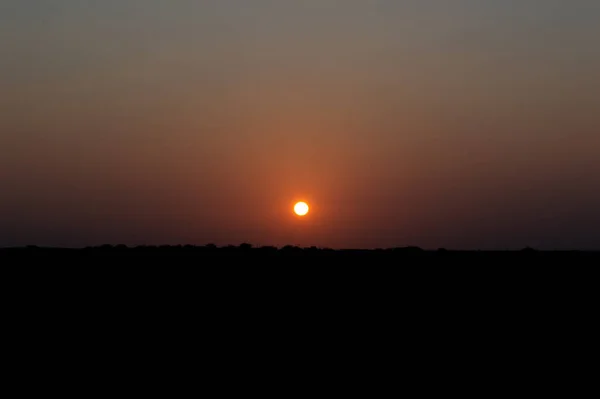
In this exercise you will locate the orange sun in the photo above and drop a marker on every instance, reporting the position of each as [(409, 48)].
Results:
[(301, 208)]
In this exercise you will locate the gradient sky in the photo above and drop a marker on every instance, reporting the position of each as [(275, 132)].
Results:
[(436, 123)]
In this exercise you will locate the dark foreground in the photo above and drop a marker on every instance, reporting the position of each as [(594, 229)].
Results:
[(241, 292), (246, 254), (303, 273)]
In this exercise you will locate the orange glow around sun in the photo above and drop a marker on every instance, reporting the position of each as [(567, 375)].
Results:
[(301, 208)]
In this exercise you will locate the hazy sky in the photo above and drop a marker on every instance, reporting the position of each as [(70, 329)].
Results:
[(437, 123)]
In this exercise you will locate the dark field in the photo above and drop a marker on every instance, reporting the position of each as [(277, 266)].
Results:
[(406, 288), (246, 254)]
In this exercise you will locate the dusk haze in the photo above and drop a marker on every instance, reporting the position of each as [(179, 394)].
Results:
[(458, 124)]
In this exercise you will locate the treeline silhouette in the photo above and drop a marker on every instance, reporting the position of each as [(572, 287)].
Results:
[(247, 250), (286, 279)]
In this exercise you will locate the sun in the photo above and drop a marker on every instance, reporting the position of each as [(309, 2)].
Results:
[(301, 208)]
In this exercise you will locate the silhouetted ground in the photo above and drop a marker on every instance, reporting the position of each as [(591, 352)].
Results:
[(247, 254), (298, 299)]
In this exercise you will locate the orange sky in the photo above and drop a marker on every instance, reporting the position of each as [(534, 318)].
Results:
[(471, 125)]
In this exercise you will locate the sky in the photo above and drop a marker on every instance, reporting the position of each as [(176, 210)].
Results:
[(464, 124)]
